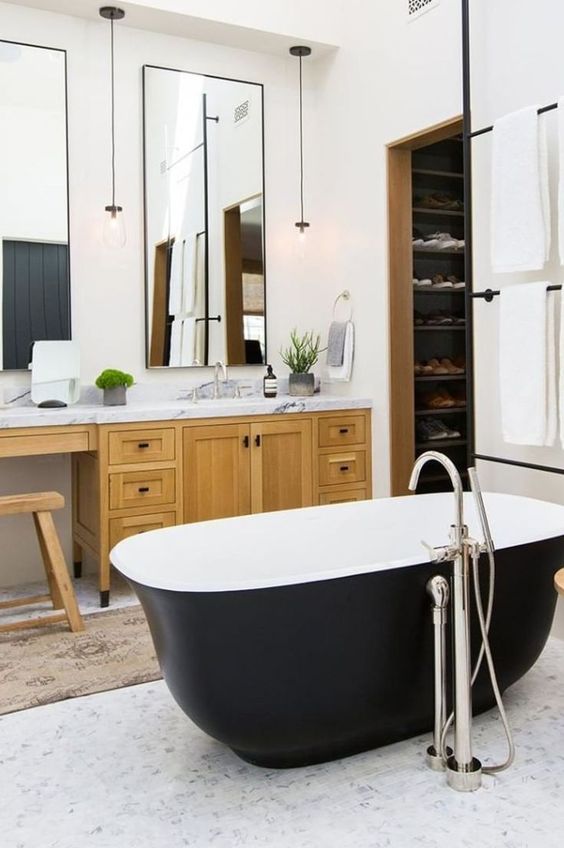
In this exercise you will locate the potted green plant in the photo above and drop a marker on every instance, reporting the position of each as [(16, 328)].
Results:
[(301, 355), (115, 384)]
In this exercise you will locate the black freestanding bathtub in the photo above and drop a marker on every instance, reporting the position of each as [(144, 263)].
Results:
[(302, 636)]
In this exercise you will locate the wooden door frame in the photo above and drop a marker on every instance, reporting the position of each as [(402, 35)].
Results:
[(400, 276)]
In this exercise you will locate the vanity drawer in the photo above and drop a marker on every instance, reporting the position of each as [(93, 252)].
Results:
[(342, 467), (132, 525), (336, 496), (142, 488), (128, 446), (342, 430)]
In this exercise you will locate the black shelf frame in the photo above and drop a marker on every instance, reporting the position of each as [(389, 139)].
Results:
[(439, 378)]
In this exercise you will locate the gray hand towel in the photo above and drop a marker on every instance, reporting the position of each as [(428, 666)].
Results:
[(336, 343)]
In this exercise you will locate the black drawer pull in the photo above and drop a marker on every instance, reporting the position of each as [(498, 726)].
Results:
[(245, 441), (257, 441), (344, 467), (142, 489), (344, 430), (143, 445)]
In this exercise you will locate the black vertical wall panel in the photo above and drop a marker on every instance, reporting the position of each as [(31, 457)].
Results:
[(35, 298)]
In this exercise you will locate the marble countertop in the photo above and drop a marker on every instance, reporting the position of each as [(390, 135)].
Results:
[(173, 410)]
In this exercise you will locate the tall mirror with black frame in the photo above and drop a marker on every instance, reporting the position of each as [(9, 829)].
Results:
[(204, 220), (34, 249)]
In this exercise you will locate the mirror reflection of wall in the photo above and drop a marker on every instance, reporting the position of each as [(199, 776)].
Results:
[(204, 220), (34, 265)]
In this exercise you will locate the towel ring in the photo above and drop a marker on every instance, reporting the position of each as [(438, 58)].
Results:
[(347, 297)]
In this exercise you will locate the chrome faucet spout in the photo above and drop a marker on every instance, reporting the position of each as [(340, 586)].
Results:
[(451, 469), (219, 366)]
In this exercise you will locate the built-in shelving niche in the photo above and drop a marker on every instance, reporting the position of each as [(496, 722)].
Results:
[(426, 193)]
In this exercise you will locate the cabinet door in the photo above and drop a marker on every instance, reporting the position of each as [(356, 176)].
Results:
[(216, 472), (281, 463)]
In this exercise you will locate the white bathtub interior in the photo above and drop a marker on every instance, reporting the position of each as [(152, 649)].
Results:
[(320, 543)]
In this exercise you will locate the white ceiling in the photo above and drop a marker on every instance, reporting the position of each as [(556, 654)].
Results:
[(142, 16)]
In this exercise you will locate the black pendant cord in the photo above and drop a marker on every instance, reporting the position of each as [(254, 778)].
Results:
[(113, 110), (301, 146)]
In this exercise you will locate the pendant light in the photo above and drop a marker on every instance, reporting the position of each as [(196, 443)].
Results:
[(114, 225), (300, 52)]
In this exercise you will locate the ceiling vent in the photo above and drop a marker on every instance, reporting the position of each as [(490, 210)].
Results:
[(415, 8)]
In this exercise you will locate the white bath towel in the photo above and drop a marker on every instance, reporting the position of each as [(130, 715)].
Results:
[(183, 275), (559, 298), (520, 224), (175, 343), (552, 304), (187, 354), (342, 373), (523, 363), (561, 179)]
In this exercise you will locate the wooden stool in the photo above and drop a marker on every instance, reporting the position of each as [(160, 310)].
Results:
[(61, 591), (559, 581)]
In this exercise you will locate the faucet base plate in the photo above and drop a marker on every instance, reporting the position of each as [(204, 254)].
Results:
[(464, 778), (434, 760)]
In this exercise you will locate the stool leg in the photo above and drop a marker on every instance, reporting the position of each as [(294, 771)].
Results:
[(47, 532), (77, 559), (54, 591)]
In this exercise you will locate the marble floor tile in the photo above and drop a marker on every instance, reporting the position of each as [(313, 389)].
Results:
[(87, 596), (127, 769)]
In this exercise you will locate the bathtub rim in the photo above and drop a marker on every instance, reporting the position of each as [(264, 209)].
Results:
[(127, 553)]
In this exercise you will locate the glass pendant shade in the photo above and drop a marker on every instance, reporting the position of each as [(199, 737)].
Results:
[(114, 234)]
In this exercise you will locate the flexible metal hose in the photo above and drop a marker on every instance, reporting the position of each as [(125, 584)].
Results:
[(485, 621)]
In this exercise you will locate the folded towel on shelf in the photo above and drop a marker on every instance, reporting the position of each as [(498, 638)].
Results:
[(523, 364), (342, 373), (520, 224), (175, 343), (336, 343)]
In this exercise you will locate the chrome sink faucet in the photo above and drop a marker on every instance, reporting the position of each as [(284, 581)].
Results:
[(464, 771), (219, 366)]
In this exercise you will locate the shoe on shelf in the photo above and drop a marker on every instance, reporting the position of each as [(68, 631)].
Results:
[(450, 367), (422, 284), (456, 283), (429, 430), (438, 399), (422, 368), (438, 368), (440, 319), (441, 282)]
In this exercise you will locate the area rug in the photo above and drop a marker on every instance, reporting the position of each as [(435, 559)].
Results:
[(52, 664)]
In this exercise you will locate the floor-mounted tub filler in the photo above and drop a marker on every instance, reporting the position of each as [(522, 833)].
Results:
[(304, 636)]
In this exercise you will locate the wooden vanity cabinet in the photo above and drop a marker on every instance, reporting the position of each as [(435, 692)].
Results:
[(147, 475), (236, 469)]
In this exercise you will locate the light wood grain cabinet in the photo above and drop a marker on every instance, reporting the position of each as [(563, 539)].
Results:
[(216, 473), (236, 469)]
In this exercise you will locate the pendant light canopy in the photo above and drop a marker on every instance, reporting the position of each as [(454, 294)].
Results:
[(300, 51), (114, 225)]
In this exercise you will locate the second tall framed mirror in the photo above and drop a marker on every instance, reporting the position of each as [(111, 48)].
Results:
[(204, 219)]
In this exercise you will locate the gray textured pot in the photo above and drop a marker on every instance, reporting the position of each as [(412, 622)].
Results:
[(115, 397), (301, 385)]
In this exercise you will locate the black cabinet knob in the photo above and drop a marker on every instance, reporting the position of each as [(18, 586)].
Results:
[(143, 489)]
